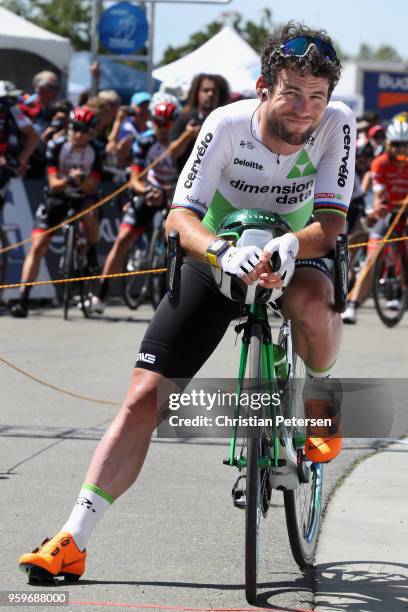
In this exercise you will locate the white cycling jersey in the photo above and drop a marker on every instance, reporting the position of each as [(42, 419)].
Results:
[(230, 168)]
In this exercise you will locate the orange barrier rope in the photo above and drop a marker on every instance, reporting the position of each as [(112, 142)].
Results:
[(61, 281)]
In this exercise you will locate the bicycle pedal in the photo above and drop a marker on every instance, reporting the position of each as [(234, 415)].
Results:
[(239, 493), (303, 468)]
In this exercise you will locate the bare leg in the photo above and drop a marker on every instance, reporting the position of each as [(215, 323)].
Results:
[(116, 256), (317, 328), (120, 454), (37, 251)]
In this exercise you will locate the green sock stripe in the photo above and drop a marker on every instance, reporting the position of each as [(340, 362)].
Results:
[(311, 370), (98, 491)]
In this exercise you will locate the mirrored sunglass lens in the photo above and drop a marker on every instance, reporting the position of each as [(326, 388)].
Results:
[(299, 46), (325, 48)]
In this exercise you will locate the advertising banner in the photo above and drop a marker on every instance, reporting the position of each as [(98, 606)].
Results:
[(386, 92)]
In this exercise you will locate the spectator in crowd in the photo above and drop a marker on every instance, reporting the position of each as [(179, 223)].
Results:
[(18, 138), (376, 137), (207, 92), (130, 123), (38, 107), (74, 170), (60, 112), (113, 101)]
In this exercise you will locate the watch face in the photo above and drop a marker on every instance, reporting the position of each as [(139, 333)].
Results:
[(217, 245)]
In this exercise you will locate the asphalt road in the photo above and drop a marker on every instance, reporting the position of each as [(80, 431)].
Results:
[(175, 539)]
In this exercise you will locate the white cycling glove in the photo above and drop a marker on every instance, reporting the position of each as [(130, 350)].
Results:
[(239, 261), (287, 246)]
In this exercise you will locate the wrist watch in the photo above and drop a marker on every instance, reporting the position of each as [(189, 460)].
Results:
[(215, 249)]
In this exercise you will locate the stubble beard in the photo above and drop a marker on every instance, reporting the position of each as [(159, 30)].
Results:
[(277, 129)]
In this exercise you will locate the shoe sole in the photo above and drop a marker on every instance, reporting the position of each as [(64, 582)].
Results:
[(38, 575)]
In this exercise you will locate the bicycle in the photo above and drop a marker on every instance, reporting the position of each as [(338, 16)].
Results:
[(3, 256), (271, 457), (74, 262), (390, 277)]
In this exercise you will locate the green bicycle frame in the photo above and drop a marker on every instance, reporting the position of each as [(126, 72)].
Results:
[(273, 366)]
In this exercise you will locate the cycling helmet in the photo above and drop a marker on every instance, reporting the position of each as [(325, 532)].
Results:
[(83, 119), (160, 97), (249, 227), (164, 112), (397, 131)]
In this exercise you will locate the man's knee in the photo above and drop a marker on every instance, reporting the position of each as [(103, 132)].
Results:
[(147, 392), (309, 306)]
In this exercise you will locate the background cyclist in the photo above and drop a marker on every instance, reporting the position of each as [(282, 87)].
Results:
[(389, 174), (74, 170), (150, 195)]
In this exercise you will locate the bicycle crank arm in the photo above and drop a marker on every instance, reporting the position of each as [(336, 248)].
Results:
[(286, 475)]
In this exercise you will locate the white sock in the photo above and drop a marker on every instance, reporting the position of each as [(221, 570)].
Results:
[(89, 508)]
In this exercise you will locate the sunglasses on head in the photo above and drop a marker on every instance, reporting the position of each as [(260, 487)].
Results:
[(300, 46), (76, 126)]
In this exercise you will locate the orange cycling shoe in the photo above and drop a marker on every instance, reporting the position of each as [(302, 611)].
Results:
[(59, 556), (323, 442)]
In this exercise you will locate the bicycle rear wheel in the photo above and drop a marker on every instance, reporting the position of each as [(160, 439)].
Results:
[(302, 505), (255, 476), (68, 268), (390, 282), (3, 259)]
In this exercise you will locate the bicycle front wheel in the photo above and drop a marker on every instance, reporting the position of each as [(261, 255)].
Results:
[(390, 281), (135, 287), (254, 478), (302, 505)]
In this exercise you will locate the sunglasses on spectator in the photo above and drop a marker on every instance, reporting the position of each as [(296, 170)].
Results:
[(399, 145), (300, 46), (76, 126)]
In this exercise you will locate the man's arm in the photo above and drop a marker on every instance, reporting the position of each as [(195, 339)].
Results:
[(194, 236), (31, 140), (318, 238)]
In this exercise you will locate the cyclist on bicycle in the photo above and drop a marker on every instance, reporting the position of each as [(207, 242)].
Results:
[(74, 170), (18, 138), (389, 174), (150, 195), (292, 152)]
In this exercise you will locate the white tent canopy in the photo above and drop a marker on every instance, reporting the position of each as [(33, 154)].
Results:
[(226, 54), (20, 35)]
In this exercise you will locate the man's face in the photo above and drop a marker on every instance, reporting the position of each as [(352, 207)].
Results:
[(296, 107), (80, 138), (208, 96), (399, 150), (162, 129), (142, 113), (49, 91)]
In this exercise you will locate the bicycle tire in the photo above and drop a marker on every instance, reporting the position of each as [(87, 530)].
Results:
[(68, 269), (157, 259), (356, 258), (3, 259), (385, 289), (302, 505), (134, 288), (253, 477)]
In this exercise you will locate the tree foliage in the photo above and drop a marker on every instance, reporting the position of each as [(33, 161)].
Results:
[(69, 18), (383, 53)]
